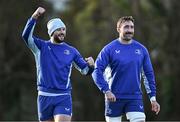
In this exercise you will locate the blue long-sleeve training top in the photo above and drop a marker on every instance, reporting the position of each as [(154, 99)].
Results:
[(53, 62), (124, 64)]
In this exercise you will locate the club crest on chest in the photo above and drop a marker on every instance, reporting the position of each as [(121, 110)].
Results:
[(66, 52)]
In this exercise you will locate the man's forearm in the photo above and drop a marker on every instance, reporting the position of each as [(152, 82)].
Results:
[(28, 30)]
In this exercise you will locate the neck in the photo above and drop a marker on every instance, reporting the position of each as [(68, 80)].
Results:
[(56, 42), (125, 41)]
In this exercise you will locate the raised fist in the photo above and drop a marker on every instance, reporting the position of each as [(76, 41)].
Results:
[(39, 11), (90, 61)]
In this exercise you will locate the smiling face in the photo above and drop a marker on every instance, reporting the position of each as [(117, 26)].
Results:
[(59, 35), (125, 28)]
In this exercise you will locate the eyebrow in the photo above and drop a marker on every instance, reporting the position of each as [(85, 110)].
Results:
[(129, 25)]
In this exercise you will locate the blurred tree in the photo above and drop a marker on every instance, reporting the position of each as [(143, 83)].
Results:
[(171, 76), (90, 25), (17, 74)]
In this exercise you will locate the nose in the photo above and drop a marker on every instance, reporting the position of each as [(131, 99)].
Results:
[(130, 30)]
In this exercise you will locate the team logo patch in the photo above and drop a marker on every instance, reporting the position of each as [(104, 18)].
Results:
[(67, 52), (141, 107), (108, 111), (117, 51), (67, 109), (138, 51)]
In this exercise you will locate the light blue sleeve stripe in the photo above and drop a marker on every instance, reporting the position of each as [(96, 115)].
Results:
[(31, 43), (146, 83), (28, 35), (67, 85), (108, 75), (83, 71), (29, 40)]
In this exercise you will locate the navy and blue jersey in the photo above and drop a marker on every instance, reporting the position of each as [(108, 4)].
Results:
[(53, 62), (124, 65)]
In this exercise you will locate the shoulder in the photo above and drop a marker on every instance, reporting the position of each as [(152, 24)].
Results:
[(45, 41), (110, 45), (40, 41), (138, 44), (141, 46), (71, 48)]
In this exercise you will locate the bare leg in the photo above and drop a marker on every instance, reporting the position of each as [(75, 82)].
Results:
[(62, 118), (48, 121)]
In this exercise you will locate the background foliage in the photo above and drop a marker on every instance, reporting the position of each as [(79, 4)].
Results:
[(91, 24)]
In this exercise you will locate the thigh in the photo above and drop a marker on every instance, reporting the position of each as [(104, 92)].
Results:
[(134, 106), (136, 116), (45, 108), (62, 118), (114, 109), (63, 105), (113, 119)]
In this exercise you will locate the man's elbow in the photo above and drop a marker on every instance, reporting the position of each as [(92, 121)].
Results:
[(88, 70), (24, 35)]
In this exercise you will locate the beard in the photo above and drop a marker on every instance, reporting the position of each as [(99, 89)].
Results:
[(127, 36), (59, 38)]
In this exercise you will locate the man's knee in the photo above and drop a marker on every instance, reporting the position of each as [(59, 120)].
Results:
[(136, 116), (62, 118), (113, 119)]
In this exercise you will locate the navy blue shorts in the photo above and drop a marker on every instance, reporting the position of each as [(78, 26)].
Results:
[(48, 106), (120, 107)]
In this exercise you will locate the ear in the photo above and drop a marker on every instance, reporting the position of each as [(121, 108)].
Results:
[(118, 29)]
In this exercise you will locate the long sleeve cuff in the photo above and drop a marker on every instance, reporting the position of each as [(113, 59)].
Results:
[(91, 69), (32, 19), (105, 90), (153, 98)]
